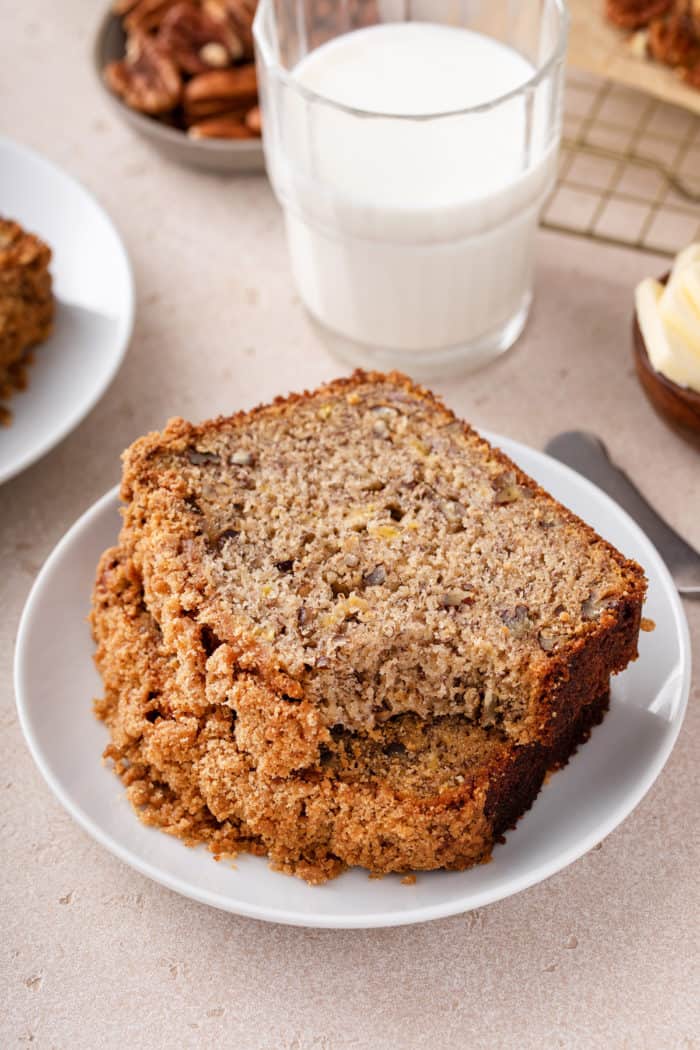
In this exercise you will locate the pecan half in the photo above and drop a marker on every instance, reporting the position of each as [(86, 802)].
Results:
[(237, 16), (145, 15), (146, 79), (635, 14), (694, 10), (221, 91), (222, 126), (674, 42), (195, 41)]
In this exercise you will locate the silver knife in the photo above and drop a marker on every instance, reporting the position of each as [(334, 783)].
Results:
[(587, 454)]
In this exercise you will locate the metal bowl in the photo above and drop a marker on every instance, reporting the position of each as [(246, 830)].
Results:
[(224, 156)]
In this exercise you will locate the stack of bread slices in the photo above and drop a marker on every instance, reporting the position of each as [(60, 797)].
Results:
[(342, 629)]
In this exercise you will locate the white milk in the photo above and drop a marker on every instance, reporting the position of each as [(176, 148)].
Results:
[(414, 236)]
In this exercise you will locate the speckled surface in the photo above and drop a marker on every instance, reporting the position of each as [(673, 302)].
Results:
[(92, 954)]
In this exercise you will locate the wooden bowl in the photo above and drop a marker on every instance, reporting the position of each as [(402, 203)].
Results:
[(676, 405), (224, 156)]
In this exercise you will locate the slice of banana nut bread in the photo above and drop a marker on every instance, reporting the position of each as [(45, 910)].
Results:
[(363, 553), (409, 795), (26, 301)]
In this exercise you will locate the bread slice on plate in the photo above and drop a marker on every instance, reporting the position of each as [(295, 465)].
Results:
[(342, 558), (26, 304), (409, 794)]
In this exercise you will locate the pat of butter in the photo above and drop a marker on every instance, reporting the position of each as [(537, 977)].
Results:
[(687, 257), (669, 319)]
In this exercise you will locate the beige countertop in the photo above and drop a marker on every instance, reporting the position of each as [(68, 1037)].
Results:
[(605, 954)]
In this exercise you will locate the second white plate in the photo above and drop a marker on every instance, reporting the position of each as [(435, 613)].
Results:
[(94, 305), (55, 682)]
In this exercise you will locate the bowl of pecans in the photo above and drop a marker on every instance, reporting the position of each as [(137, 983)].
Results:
[(182, 74)]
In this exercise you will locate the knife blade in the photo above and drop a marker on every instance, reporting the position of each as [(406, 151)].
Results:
[(587, 454)]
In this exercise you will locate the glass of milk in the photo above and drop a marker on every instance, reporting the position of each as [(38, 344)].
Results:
[(412, 146)]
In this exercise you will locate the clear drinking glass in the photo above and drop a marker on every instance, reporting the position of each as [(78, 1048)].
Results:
[(411, 236)]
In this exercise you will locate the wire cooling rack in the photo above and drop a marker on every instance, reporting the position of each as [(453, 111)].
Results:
[(629, 168)]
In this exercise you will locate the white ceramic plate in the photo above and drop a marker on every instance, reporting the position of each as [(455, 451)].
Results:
[(55, 682), (94, 305)]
